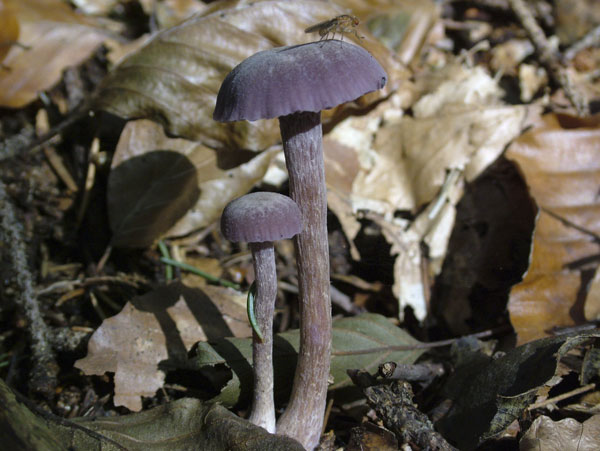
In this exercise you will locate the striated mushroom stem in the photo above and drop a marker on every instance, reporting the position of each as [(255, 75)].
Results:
[(302, 144), (263, 405)]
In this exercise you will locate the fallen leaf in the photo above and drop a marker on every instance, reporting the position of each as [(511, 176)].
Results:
[(52, 37), (402, 26), (183, 424), (175, 77), (369, 332), (159, 326), (566, 435), (489, 394), (459, 128), (165, 186), (560, 162), (9, 29)]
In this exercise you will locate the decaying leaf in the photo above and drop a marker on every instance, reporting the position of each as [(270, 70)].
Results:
[(159, 326), (402, 26), (166, 186), (51, 37), (566, 435), (175, 77), (369, 332), (489, 394), (9, 29), (560, 160), (182, 424), (459, 128)]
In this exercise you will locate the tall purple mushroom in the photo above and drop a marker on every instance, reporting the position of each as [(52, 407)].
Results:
[(295, 83), (259, 219)]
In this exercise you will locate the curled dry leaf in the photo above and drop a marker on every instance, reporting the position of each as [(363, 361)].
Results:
[(160, 185), (160, 326), (560, 160), (459, 128), (51, 37), (175, 77)]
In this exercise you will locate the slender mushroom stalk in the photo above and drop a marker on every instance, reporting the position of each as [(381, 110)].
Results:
[(294, 84), (302, 137), (259, 219)]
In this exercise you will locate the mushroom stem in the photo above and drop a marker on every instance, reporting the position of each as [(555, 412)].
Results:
[(302, 144), (263, 405)]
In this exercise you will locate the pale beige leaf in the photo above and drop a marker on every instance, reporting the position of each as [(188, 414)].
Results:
[(564, 435), (592, 303), (52, 37), (158, 326), (174, 78), (166, 186), (560, 160), (95, 6), (459, 128)]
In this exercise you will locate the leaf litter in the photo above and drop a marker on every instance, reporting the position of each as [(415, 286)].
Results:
[(399, 163)]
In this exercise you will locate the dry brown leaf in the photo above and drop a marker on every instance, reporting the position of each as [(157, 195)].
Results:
[(158, 326), (174, 78), (160, 185), (9, 29), (52, 37), (560, 160), (458, 129), (564, 435)]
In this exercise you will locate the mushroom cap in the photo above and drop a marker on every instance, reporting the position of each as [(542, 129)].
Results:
[(308, 77), (259, 217)]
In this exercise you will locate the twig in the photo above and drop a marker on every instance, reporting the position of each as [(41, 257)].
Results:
[(548, 57), (591, 39), (562, 397), (69, 285), (411, 373), (90, 177), (45, 368), (21, 145)]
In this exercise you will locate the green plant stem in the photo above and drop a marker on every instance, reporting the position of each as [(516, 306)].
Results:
[(164, 250), (199, 272), (251, 311)]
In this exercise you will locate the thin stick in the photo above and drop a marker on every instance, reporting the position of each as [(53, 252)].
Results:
[(562, 397), (548, 57), (591, 39), (45, 368)]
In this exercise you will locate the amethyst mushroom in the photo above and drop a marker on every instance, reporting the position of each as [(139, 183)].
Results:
[(259, 219), (295, 83)]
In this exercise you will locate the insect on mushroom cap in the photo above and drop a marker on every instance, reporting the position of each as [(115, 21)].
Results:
[(308, 77), (260, 217)]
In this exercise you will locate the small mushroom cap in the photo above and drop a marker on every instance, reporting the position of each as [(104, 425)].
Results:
[(259, 217), (285, 80)]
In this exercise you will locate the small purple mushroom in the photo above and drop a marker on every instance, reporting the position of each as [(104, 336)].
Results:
[(295, 83), (259, 219)]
